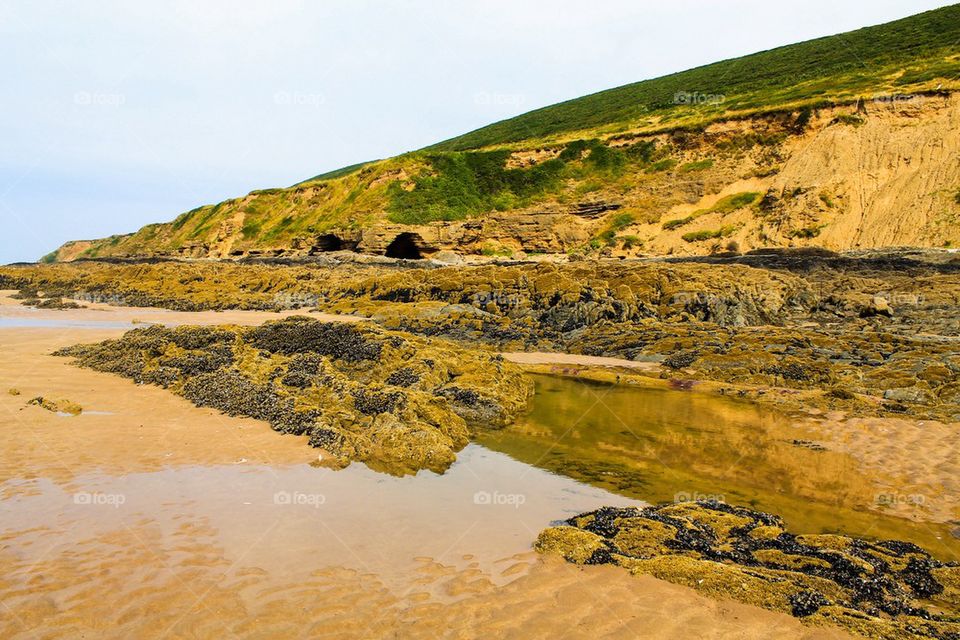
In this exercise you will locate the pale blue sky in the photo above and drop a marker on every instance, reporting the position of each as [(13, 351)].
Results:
[(117, 114)]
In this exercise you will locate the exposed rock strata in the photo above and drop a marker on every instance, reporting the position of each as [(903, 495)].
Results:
[(873, 333)]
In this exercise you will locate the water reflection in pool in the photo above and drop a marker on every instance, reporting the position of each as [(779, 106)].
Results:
[(660, 445)]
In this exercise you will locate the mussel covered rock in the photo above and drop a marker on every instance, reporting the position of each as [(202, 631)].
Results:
[(397, 402), (882, 589)]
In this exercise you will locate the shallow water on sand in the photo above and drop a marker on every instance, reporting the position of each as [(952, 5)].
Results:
[(582, 446), (24, 322), (661, 445), (217, 550), (291, 520)]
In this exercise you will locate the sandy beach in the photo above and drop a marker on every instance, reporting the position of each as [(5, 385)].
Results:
[(186, 562)]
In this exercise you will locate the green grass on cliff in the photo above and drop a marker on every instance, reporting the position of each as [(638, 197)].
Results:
[(463, 184), (916, 49), (336, 173), (723, 206)]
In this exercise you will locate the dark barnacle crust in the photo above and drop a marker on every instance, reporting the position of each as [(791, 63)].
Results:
[(884, 589)]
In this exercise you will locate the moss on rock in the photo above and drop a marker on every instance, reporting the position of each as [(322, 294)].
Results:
[(67, 407), (333, 382), (884, 589), (575, 545), (786, 320)]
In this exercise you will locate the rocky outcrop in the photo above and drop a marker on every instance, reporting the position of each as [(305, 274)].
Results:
[(869, 334), (394, 401), (884, 589), (593, 210), (534, 232)]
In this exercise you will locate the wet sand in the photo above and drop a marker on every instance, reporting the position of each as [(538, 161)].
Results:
[(132, 520), (920, 459), (99, 315), (537, 357)]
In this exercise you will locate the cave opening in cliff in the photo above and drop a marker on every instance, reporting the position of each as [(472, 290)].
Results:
[(328, 242), (407, 246)]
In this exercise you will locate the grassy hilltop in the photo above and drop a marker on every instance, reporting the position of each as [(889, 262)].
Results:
[(886, 57)]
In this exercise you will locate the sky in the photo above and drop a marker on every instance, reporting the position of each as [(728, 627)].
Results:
[(118, 114)]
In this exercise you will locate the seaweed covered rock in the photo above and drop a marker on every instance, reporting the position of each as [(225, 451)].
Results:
[(400, 403), (303, 335), (884, 589), (793, 320), (63, 407)]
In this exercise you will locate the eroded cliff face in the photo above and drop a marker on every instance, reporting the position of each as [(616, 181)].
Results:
[(876, 173), (886, 174), (896, 175)]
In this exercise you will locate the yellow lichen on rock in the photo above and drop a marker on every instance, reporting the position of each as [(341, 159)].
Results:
[(67, 407), (883, 589), (804, 322), (398, 402), (575, 545)]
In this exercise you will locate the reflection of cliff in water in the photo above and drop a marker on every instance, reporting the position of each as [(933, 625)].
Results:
[(660, 446)]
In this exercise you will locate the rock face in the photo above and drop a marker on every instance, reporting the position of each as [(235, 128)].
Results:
[(534, 232), (401, 241), (883, 589), (870, 334), (393, 401), (529, 232)]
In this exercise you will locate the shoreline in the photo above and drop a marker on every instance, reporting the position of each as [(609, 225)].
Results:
[(139, 429), (882, 444)]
